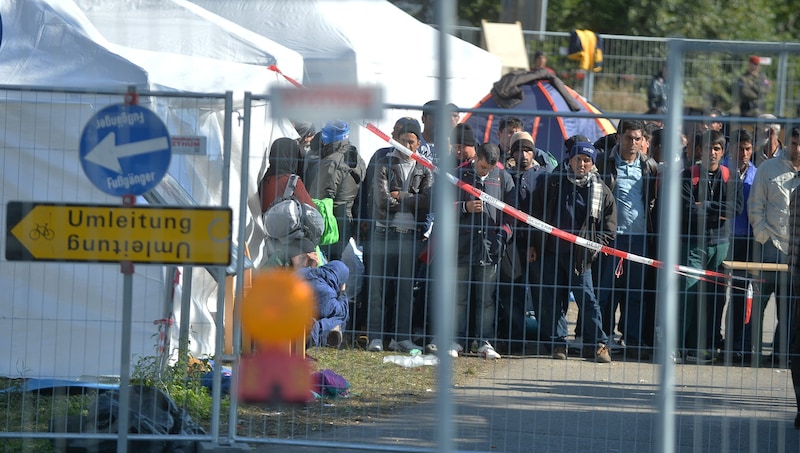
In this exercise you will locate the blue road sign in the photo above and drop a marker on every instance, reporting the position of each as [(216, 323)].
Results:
[(125, 150)]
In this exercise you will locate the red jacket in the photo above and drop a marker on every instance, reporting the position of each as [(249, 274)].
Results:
[(272, 188)]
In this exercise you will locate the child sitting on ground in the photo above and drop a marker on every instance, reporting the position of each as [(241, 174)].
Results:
[(329, 282)]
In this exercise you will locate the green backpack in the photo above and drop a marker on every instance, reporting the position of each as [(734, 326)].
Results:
[(331, 233)]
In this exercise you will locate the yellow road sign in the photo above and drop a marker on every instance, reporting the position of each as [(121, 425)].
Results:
[(140, 234)]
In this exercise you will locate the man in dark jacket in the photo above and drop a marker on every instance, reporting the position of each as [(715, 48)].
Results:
[(577, 201), (527, 172), (334, 169), (711, 198), (483, 233), (631, 175), (506, 129), (401, 197)]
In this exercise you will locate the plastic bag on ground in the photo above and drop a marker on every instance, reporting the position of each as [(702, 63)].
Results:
[(411, 361)]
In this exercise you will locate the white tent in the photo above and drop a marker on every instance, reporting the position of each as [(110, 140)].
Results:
[(177, 26), (366, 42), (63, 319)]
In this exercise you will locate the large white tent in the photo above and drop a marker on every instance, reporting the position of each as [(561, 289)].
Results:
[(63, 319), (180, 27), (366, 42)]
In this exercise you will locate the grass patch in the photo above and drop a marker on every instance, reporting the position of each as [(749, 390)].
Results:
[(377, 390)]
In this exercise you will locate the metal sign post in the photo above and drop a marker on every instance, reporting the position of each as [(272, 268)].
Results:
[(125, 150)]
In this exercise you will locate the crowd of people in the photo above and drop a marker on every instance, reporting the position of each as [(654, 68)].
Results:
[(736, 190)]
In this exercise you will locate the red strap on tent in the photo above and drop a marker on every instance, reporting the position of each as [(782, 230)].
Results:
[(294, 82)]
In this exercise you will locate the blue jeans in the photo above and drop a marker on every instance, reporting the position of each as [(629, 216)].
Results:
[(558, 279), (626, 291)]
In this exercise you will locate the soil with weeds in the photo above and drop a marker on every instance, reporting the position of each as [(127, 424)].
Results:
[(376, 390)]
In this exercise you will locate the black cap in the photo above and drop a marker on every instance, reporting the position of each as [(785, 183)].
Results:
[(430, 107), (463, 135), (408, 125)]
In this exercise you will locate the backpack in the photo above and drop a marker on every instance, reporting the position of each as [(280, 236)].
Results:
[(331, 233), (287, 218), (726, 174)]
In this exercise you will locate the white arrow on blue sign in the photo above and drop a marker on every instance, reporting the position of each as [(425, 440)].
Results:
[(125, 150)]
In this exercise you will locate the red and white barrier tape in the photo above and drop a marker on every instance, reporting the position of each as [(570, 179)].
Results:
[(542, 226), (536, 223)]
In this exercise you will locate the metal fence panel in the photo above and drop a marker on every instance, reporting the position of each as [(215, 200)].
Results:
[(65, 322), (656, 397)]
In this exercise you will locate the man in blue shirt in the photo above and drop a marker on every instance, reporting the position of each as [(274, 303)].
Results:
[(631, 175)]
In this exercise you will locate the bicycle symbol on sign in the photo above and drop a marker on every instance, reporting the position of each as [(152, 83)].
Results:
[(42, 231)]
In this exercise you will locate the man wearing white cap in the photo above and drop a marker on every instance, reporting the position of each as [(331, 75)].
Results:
[(527, 171)]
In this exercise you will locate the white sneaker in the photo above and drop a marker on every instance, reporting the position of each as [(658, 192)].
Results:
[(453, 351), (376, 345), (487, 351)]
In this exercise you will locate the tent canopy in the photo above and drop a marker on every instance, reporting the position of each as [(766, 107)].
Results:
[(523, 94), (366, 42), (181, 27), (70, 327)]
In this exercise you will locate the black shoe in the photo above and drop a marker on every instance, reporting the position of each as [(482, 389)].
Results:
[(738, 358), (641, 353), (699, 356), (774, 361)]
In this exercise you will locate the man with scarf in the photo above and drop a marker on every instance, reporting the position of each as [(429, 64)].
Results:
[(576, 200)]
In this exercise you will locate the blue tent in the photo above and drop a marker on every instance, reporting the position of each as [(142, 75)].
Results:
[(538, 90)]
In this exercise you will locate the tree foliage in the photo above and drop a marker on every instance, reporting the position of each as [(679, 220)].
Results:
[(474, 10), (747, 20)]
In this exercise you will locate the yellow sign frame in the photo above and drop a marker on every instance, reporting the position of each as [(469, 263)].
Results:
[(109, 233)]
